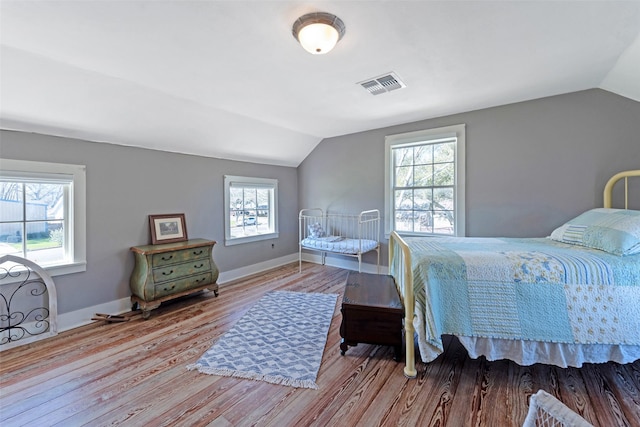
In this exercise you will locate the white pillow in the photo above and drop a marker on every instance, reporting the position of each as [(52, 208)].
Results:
[(616, 231), (316, 230)]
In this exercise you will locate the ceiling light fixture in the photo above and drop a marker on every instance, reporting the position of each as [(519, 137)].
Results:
[(318, 32)]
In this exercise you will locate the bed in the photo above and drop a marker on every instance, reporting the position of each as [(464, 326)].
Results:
[(345, 234), (564, 300)]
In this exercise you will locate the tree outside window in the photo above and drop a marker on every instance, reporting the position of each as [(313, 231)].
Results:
[(32, 220), (425, 176)]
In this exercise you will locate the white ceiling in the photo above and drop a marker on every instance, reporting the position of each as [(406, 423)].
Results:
[(227, 79)]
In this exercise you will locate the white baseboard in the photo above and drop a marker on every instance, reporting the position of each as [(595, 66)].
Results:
[(347, 263), (228, 276), (83, 316)]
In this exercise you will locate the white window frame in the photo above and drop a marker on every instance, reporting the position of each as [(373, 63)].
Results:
[(427, 136), (249, 182), (75, 208)]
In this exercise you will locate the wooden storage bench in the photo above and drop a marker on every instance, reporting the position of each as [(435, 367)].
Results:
[(371, 312)]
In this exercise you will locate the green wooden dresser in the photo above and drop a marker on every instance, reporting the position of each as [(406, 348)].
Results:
[(168, 271)]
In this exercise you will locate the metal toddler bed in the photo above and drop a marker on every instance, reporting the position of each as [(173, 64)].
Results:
[(344, 234)]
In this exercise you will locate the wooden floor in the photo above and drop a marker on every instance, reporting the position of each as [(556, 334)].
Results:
[(135, 374)]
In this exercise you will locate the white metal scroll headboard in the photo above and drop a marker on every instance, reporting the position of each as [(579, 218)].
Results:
[(28, 302)]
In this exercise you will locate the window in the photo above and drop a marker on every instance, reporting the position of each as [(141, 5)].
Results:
[(42, 214), (251, 212), (424, 175)]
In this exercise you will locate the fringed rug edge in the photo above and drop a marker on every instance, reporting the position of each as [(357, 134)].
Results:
[(272, 379)]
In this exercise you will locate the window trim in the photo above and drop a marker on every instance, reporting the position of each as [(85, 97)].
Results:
[(427, 135), (77, 216), (248, 181)]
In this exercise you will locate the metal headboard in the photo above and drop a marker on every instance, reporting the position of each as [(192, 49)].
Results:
[(28, 302), (608, 188)]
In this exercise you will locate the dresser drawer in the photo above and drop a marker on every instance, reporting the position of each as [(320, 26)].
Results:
[(176, 257), (177, 271), (180, 285)]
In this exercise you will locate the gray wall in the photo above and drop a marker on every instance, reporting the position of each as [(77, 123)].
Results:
[(531, 166), (125, 184)]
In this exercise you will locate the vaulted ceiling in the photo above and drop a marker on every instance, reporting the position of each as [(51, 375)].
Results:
[(227, 79)]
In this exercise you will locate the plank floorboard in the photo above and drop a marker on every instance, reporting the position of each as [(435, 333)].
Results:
[(134, 373), (573, 392), (436, 410), (466, 412)]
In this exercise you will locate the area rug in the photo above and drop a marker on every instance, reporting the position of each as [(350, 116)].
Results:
[(280, 340)]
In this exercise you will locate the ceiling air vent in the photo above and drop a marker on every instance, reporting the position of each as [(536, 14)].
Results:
[(382, 84)]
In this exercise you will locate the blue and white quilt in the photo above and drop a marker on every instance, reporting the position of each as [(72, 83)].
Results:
[(523, 289)]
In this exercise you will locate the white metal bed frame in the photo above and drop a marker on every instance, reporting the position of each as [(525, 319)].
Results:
[(400, 269)]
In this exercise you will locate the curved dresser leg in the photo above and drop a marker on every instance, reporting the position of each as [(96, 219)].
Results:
[(146, 308), (214, 289)]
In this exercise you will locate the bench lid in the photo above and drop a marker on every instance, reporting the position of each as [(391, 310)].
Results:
[(371, 290)]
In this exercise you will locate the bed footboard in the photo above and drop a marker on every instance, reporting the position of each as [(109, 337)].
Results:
[(400, 269)]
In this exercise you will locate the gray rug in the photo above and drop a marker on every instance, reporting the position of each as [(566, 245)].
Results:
[(280, 340)]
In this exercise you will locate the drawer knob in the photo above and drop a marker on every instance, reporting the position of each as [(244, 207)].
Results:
[(164, 273), (165, 258), (200, 280), (198, 253), (198, 266), (170, 289)]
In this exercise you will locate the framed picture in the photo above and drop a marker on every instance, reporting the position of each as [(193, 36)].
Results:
[(169, 228)]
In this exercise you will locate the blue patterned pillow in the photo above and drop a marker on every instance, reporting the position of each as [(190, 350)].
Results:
[(616, 231), (316, 230)]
